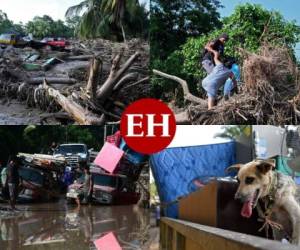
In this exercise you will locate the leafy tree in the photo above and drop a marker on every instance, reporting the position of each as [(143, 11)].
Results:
[(233, 132), (245, 28), (5, 23), (125, 12), (172, 22), (45, 26), (37, 139), (73, 24), (107, 18)]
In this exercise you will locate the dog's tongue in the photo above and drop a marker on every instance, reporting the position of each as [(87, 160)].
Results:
[(247, 209)]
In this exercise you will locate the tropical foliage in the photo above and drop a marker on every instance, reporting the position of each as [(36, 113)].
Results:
[(248, 27), (111, 19), (235, 131), (45, 26), (172, 23), (6, 24), (37, 139)]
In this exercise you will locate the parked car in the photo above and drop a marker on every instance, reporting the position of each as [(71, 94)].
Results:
[(11, 39), (57, 43), (108, 189)]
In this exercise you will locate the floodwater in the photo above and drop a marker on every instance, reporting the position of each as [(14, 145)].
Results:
[(61, 226)]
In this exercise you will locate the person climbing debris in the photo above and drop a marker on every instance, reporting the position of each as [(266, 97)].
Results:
[(218, 45), (217, 78)]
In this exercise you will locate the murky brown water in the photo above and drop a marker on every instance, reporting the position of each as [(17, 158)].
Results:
[(59, 226)]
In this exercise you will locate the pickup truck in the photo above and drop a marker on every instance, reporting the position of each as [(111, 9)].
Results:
[(12, 39), (74, 153), (57, 43)]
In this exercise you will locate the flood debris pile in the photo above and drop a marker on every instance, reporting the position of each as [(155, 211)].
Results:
[(268, 94), (90, 84)]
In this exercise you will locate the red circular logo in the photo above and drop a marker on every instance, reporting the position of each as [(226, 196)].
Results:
[(148, 126)]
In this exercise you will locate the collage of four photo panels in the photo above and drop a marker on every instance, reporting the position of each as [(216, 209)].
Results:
[(229, 71)]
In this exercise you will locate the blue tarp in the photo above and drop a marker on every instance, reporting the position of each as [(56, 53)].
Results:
[(174, 169)]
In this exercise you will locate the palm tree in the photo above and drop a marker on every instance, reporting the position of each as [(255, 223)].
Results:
[(117, 9), (90, 19), (109, 18)]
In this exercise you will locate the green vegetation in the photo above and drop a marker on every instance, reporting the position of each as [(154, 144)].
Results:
[(109, 19), (45, 26), (235, 131), (37, 139), (248, 27)]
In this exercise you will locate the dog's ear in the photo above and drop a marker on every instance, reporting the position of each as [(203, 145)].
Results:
[(235, 167), (264, 166)]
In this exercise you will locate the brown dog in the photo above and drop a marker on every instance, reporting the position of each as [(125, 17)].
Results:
[(258, 181)]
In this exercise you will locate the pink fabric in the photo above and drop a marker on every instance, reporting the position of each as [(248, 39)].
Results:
[(109, 157), (107, 242), (115, 138)]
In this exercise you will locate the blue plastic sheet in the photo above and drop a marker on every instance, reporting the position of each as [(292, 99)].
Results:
[(174, 169)]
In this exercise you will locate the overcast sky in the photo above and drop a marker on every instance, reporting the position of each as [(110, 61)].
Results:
[(25, 10)]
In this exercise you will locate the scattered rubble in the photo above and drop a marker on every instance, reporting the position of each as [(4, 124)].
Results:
[(91, 84)]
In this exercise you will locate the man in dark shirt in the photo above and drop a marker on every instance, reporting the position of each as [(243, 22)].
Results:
[(13, 180), (208, 57)]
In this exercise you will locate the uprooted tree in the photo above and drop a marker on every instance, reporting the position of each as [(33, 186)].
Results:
[(263, 43), (269, 94), (89, 93)]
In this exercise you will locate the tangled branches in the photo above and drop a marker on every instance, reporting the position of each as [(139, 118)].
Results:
[(268, 95)]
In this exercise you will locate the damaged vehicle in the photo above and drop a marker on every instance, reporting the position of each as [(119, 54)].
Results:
[(57, 43), (108, 189), (12, 39), (75, 153), (37, 185)]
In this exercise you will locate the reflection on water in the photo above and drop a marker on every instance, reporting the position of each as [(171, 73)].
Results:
[(58, 226)]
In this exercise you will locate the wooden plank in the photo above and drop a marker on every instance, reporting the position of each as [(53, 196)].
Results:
[(200, 237)]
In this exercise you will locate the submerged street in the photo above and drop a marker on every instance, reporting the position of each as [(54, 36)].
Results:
[(61, 226)]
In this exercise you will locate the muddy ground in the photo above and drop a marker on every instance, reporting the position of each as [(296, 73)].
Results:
[(17, 88), (61, 226), (16, 113)]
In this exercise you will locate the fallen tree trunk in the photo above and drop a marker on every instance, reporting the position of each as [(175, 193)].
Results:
[(182, 118), (80, 58), (145, 79), (186, 92), (127, 78), (94, 75), (51, 80), (115, 73), (79, 114)]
